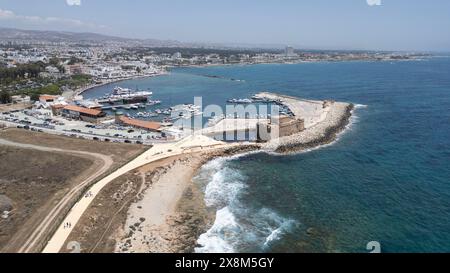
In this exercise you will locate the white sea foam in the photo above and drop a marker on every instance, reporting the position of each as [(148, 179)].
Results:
[(277, 233), (223, 188), (251, 230), (217, 238), (235, 226), (358, 106)]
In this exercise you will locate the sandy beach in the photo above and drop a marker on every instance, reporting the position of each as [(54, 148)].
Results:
[(158, 208), (171, 214), (153, 222)]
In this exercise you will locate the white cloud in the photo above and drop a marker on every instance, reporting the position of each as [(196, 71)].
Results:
[(6, 14), (374, 2), (73, 2), (11, 16)]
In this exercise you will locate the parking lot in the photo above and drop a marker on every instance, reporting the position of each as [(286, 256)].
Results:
[(44, 121)]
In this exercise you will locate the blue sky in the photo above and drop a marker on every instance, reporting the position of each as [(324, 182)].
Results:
[(333, 24)]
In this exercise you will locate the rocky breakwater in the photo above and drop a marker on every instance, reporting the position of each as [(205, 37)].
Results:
[(322, 133)]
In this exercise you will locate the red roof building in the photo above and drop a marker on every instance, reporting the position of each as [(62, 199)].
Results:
[(143, 124)]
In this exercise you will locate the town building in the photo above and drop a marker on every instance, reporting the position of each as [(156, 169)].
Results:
[(81, 113), (289, 51), (47, 99), (141, 124)]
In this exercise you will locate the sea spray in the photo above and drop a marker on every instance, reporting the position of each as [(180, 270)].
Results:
[(218, 238), (238, 227)]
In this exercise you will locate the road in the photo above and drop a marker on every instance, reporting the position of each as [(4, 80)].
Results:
[(84, 135), (157, 152), (37, 235)]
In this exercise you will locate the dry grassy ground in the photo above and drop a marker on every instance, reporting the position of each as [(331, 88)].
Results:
[(14, 107), (96, 231), (120, 153), (30, 178), (37, 180)]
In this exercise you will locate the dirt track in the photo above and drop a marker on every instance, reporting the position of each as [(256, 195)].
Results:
[(32, 235), (34, 238)]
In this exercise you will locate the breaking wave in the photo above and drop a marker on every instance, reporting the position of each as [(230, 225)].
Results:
[(237, 228)]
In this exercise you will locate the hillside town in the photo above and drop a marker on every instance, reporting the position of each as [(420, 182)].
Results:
[(42, 84), (29, 68)]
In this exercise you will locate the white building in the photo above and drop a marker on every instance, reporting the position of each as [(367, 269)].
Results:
[(176, 55), (289, 51)]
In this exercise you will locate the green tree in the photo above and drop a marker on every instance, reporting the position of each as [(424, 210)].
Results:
[(54, 61), (5, 97), (34, 96), (74, 60)]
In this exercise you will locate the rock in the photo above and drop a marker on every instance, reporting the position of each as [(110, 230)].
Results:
[(311, 231), (5, 203), (5, 215)]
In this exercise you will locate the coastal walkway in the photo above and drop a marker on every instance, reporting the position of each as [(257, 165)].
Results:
[(33, 239), (157, 152)]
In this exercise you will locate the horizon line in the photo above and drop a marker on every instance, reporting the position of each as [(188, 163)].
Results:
[(226, 45)]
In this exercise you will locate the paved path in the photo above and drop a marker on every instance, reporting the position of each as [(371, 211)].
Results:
[(37, 235), (157, 152)]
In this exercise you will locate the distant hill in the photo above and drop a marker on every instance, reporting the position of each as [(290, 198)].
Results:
[(30, 36), (12, 34), (55, 36)]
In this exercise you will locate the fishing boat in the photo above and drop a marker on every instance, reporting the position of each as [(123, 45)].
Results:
[(240, 101)]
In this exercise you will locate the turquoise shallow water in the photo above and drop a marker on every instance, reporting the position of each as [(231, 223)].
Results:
[(386, 179)]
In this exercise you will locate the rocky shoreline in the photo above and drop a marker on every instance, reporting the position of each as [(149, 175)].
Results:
[(151, 227), (326, 138), (168, 212), (193, 218), (188, 227)]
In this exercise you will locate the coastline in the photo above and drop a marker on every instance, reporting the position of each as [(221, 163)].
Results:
[(170, 214), (158, 208), (323, 136), (82, 90), (179, 225), (298, 62), (162, 210)]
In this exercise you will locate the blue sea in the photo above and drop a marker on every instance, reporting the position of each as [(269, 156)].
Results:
[(385, 179)]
